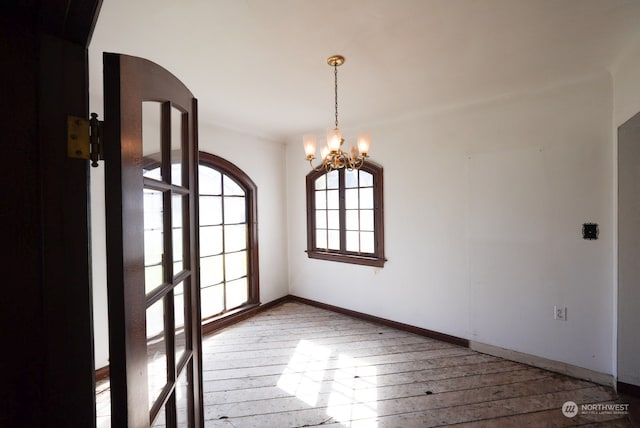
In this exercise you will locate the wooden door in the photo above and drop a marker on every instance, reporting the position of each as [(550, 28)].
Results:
[(151, 158)]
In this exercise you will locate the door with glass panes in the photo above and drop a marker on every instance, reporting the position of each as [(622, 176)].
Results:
[(152, 241)]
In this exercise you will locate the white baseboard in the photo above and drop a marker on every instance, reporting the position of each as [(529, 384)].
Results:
[(544, 363)]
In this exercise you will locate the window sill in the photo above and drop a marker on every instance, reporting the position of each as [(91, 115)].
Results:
[(346, 258), (218, 322)]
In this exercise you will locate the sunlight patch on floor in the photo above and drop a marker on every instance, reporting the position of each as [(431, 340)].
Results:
[(304, 374), (353, 399)]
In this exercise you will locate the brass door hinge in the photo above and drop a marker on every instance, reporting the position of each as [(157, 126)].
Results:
[(84, 138)]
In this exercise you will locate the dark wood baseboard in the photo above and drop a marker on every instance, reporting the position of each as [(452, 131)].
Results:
[(389, 323), (102, 373), (628, 388), (240, 315)]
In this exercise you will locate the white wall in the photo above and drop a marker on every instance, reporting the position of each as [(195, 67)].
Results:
[(483, 212), (264, 162), (626, 84)]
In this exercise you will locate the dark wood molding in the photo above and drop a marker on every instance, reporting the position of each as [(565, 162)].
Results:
[(102, 373), (239, 314), (49, 378), (345, 258), (389, 323), (628, 388)]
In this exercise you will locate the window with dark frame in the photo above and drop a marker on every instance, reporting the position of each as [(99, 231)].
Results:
[(345, 215), (228, 238), (229, 274)]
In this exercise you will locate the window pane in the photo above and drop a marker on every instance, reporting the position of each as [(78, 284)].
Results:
[(366, 179), (321, 238), (210, 240), (182, 398), (176, 144), (235, 237), (351, 178), (153, 245), (321, 199), (178, 263), (176, 169), (351, 199), (152, 173), (151, 141), (176, 220), (211, 270), (212, 300), (353, 243), (153, 208), (230, 187), (332, 180), (237, 293), (161, 419), (321, 182), (352, 219), (367, 242), (210, 181), (333, 199), (156, 351), (366, 220), (333, 239), (321, 219), (235, 265), (179, 311), (366, 198), (234, 210), (333, 219), (210, 210), (152, 277)]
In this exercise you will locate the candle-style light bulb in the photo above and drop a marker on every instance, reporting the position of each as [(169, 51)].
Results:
[(309, 142), (334, 138), (364, 143)]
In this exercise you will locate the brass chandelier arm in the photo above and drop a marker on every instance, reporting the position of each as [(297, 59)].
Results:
[(338, 160)]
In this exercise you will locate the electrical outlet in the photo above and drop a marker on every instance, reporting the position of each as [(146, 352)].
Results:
[(560, 313)]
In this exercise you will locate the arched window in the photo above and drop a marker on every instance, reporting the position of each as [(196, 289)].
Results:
[(228, 238), (345, 215)]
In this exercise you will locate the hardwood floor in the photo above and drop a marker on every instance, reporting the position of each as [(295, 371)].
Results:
[(300, 366)]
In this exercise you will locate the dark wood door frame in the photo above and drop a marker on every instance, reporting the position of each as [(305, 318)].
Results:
[(47, 372)]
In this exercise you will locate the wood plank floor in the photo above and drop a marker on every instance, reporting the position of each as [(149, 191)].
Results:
[(300, 366)]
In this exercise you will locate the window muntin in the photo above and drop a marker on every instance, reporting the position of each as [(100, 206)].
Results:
[(344, 215)]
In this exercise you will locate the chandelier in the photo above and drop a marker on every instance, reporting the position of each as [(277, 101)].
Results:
[(333, 157)]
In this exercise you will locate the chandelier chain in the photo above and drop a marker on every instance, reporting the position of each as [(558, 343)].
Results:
[(335, 73)]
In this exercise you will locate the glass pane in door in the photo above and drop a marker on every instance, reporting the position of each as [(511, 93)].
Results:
[(156, 350), (153, 239), (182, 398), (151, 139), (177, 128), (179, 316), (178, 203)]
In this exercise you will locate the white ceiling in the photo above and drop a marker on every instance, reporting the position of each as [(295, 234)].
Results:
[(259, 66)]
